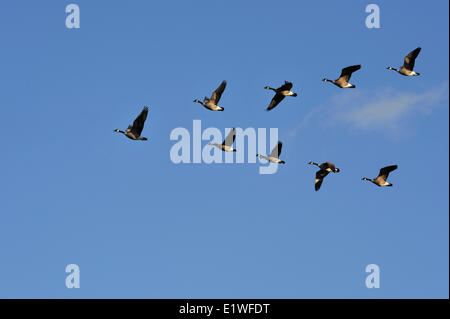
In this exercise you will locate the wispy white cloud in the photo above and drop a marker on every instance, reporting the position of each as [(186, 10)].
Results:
[(385, 109)]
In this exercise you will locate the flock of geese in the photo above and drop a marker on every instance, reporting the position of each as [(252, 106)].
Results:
[(134, 131)]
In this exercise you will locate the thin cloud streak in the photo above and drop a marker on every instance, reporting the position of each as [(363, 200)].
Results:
[(386, 110)]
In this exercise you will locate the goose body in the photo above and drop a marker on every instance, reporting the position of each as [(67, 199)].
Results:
[(381, 179), (407, 69), (274, 155), (344, 78), (280, 94), (212, 102), (226, 146), (134, 131), (325, 169)]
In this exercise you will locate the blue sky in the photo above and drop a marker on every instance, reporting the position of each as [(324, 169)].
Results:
[(140, 226)]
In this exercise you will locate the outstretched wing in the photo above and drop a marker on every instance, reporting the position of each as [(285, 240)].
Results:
[(346, 73), (275, 101), (138, 124), (384, 172), (320, 175), (287, 86), (229, 140), (276, 150), (217, 94), (410, 59)]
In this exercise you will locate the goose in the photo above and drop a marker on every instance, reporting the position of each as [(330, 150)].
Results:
[(345, 76), (274, 155), (381, 179), (325, 169), (281, 93), (408, 65), (226, 145), (134, 131), (212, 103)]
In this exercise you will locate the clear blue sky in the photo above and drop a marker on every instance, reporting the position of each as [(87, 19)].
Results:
[(139, 226)]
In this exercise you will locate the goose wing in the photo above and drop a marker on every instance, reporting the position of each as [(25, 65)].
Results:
[(287, 86), (384, 172), (346, 73), (276, 150), (229, 140), (275, 101), (217, 94), (329, 165), (320, 175), (410, 59), (138, 124)]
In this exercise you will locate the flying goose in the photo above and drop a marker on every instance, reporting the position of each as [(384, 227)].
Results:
[(381, 179), (408, 65), (212, 103), (226, 146), (281, 93), (345, 76), (325, 169), (274, 155), (134, 131)]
